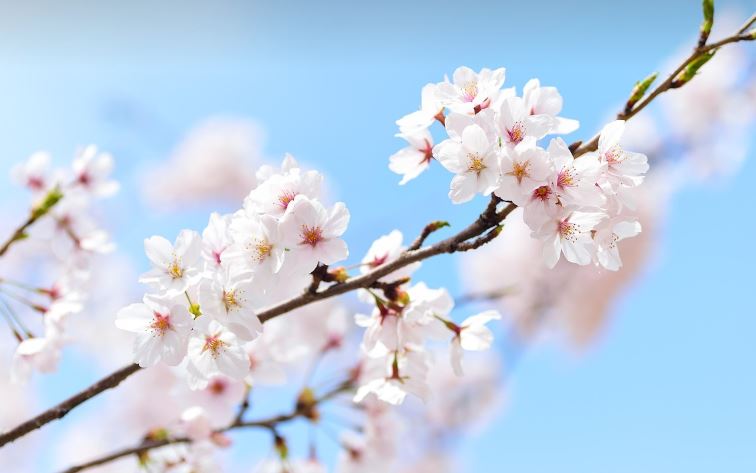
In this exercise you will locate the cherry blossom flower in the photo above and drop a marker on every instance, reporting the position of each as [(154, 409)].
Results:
[(386, 249), (161, 331), (608, 233), (472, 335), (515, 123), (568, 232), (575, 180), (215, 239), (213, 350), (412, 160), (470, 92), (175, 266), (273, 196), (34, 173), (229, 298), (92, 171), (312, 233), (474, 160), (37, 353), (547, 101), (392, 377), (523, 168), (257, 243), (430, 107)]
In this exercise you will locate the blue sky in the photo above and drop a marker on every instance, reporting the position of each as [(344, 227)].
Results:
[(670, 385)]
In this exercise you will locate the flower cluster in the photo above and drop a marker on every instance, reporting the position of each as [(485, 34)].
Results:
[(205, 289), (62, 232), (578, 207), (395, 358)]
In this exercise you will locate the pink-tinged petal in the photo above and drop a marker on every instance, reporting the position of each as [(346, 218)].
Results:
[(476, 338), (576, 252), (188, 246), (333, 251), (338, 220), (564, 126), (159, 251), (451, 155), (611, 134), (455, 356), (134, 318), (538, 126), (552, 249), (474, 139), (463, 188), (482, 318), (610, 259), (456, 123), (626, 229)]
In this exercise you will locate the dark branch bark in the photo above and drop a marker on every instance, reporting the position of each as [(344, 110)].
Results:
[(66, 406)]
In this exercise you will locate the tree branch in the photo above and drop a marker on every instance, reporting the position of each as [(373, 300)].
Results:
[(669, 83), (66, 406), (270, 423), (487, 220)]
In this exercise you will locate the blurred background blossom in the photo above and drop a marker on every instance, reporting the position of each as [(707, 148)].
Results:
[(192, 98)]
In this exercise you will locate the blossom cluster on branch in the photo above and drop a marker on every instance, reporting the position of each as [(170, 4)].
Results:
[(62, 233)]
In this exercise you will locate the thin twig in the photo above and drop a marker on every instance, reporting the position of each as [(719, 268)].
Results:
[(270, 424), (66, 406), (668, 84)]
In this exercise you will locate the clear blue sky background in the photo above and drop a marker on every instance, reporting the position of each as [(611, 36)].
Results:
[(669, 388)]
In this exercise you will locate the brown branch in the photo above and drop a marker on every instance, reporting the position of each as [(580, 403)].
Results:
[(487, 220), (483, 296), (669, 83), (66, 406), (271, 424)]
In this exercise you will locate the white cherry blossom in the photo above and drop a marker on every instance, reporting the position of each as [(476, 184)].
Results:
[(161, 330), (473, 159), (471, 335), (547, 101), (313, 234), (175, 266), (415, 158), (568, 232), (471, 91), (213, 350)]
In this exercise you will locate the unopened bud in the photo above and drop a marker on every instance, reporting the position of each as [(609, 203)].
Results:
[(639, 90), (708, 22), (340, 274), (279, 443), (52, 197), (195, 310), (692, 69)]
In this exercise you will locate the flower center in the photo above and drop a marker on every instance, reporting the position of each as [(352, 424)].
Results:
[(285, 198), (520, 170), (378, 260), (213, 344), (470, 91), (230, 300), (311, 235), (614, 155), (542, 193), (565, 178), (161, 323), (260, 249), (476, 163), (568, 231), (175, 270), (516, 133)]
